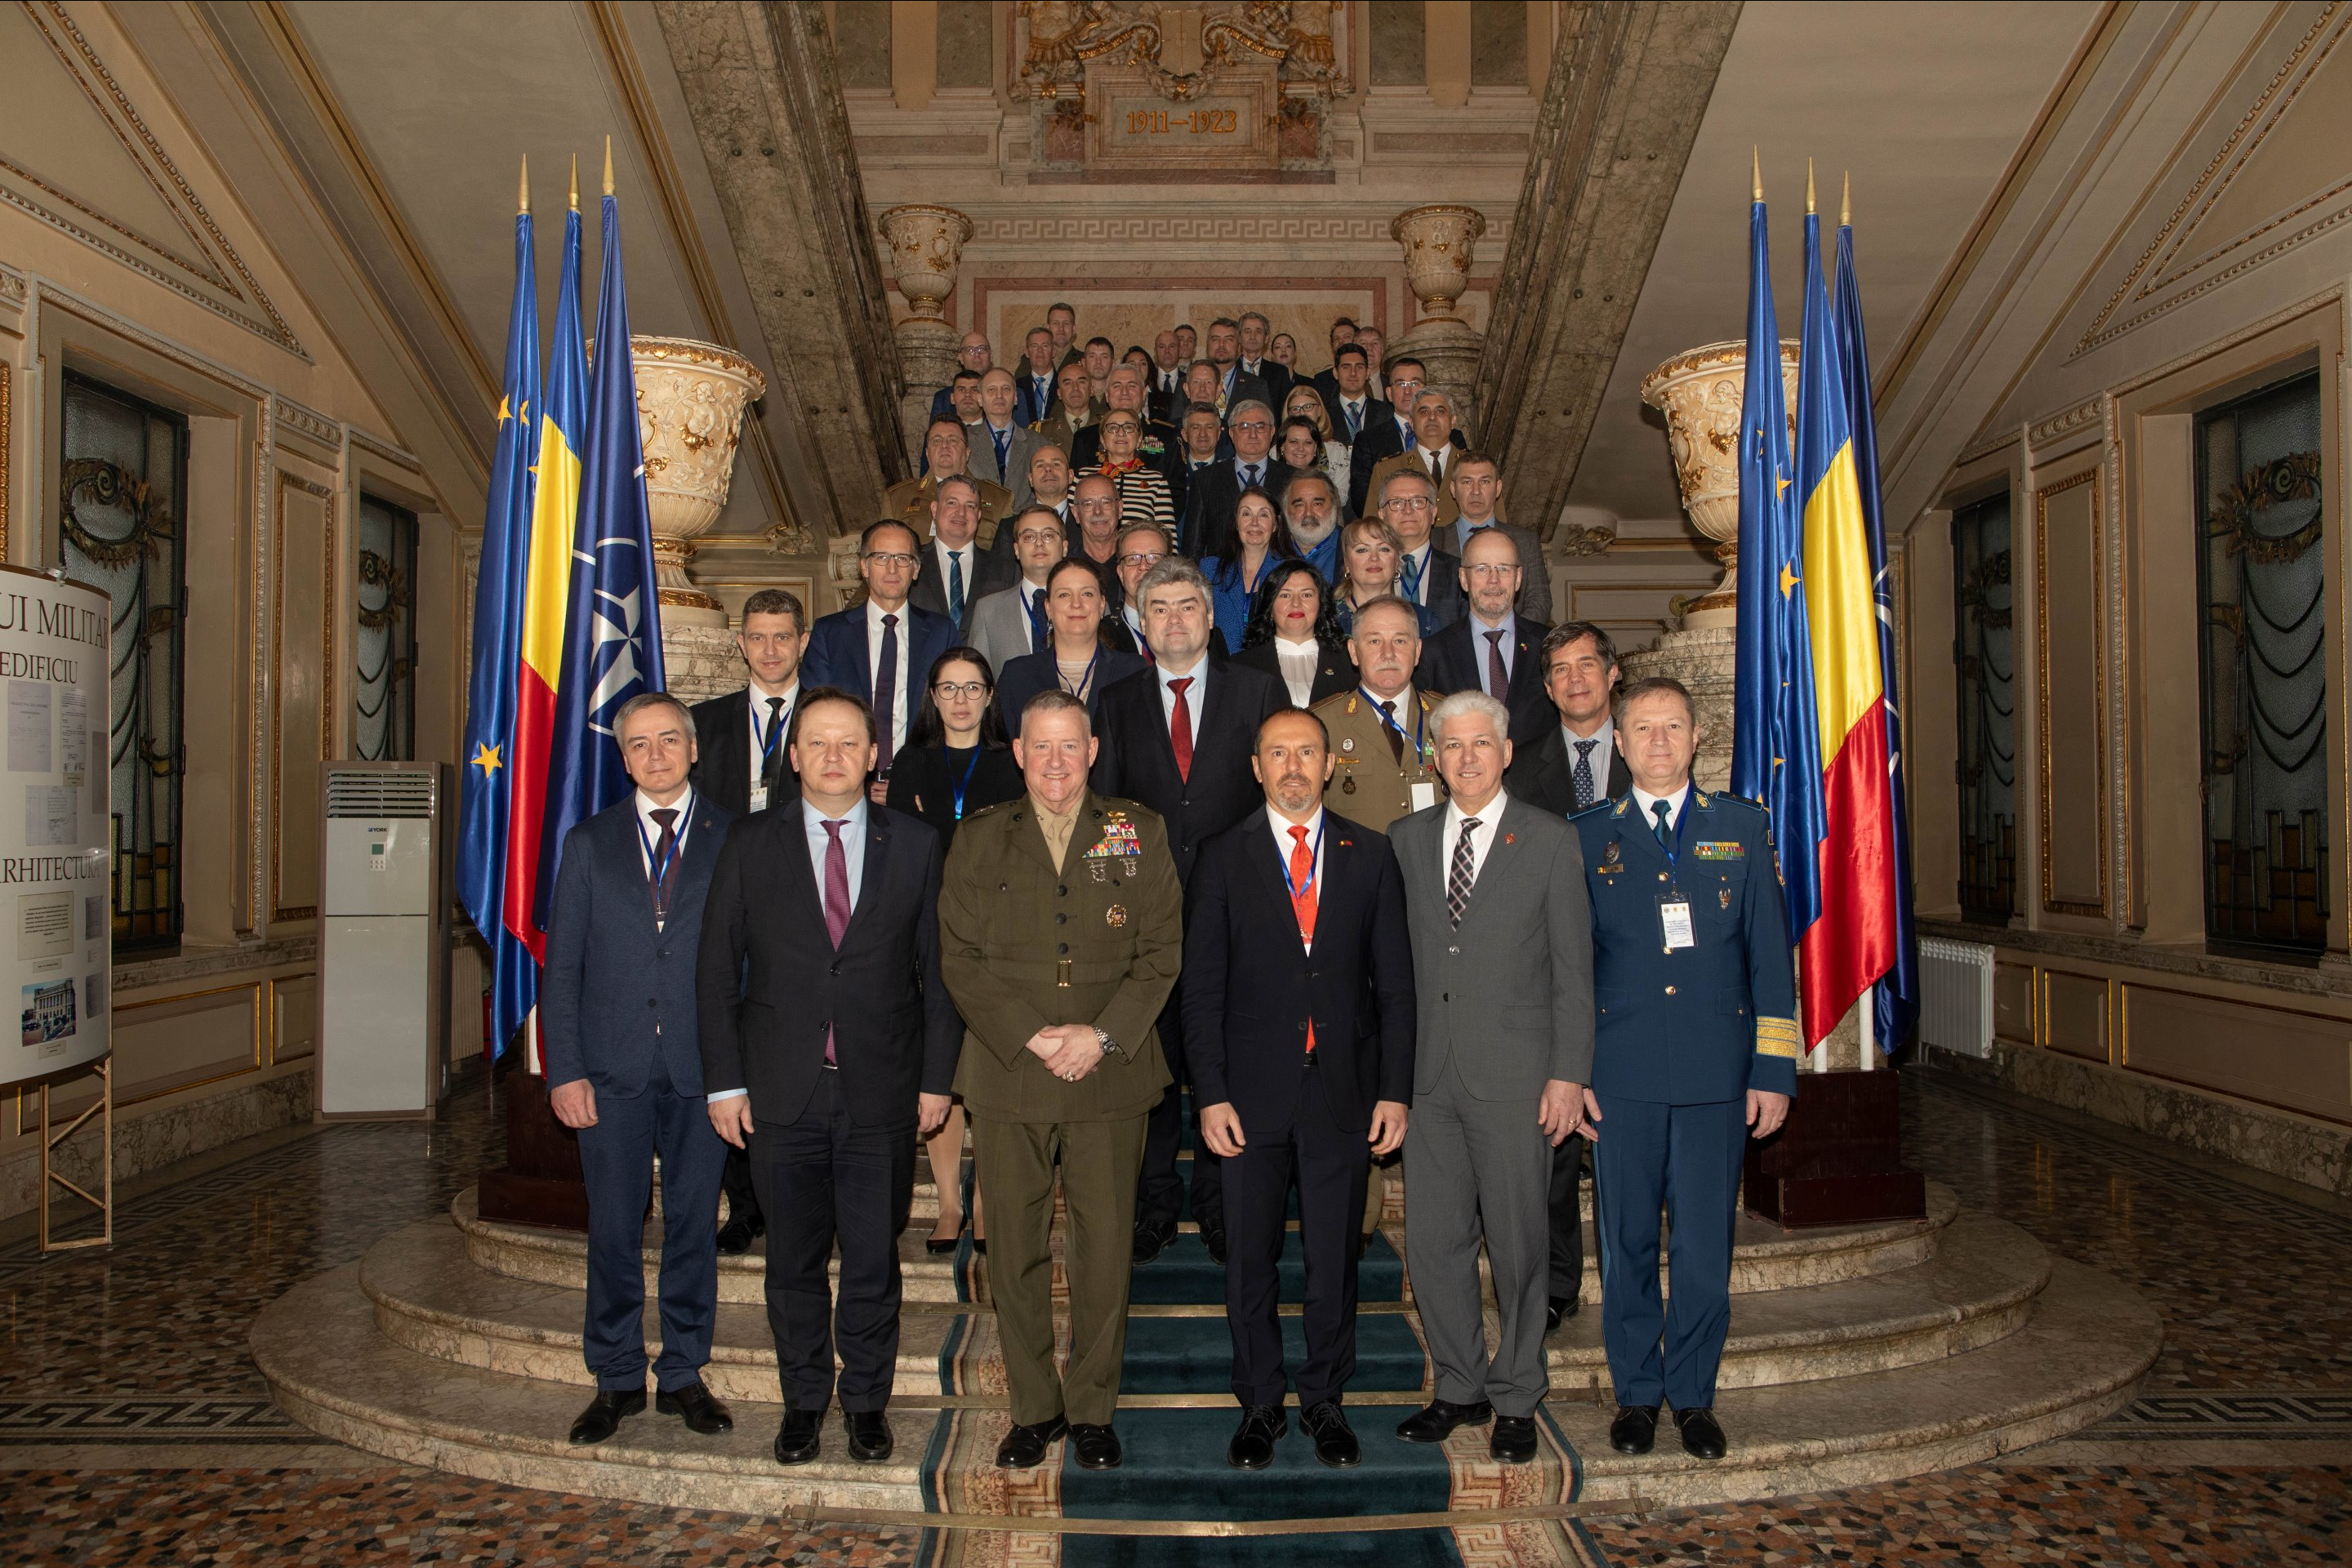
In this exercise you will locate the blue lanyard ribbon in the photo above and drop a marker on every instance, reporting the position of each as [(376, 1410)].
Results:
[(660, 864), (959, 786), (1313, 860), (1396, 729), (768, 741)]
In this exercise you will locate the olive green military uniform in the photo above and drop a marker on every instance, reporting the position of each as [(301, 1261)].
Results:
[(909, 500), (1369, 784), (1027, 940)]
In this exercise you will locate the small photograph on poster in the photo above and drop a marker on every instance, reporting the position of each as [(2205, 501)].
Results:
[(100, 776), (73, 734), (93, 996), (49, 815), (44, 924), (49, 1011), (94, 917), (28, 726)]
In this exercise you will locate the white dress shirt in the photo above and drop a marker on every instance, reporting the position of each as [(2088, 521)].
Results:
[(1644, 800), (1194, 694), (756, 700), (1298, 662), (1605, 739), (1482, 837), (941, 552), (1431, 463), (1284, 844), (874, 614), (1352, 415), (1421, 555), (649, 831)]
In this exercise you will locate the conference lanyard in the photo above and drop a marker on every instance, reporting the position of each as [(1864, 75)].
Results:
[(660, 864), (959, 786), (1396, 729), (1085, 679), (768, 742), (1298, 892)]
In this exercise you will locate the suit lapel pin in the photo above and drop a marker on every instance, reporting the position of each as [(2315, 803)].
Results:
[(1114, 916), (1510, 839)]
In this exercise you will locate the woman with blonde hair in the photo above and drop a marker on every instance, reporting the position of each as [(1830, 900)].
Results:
[(1306, 402), (1369, 552)]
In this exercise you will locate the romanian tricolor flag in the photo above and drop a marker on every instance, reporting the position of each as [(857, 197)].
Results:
[(546, 596), (1851, 942), (490, 687)]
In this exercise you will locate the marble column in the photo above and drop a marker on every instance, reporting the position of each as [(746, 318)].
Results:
[(690, 402), (926, 243), (1438, 242)]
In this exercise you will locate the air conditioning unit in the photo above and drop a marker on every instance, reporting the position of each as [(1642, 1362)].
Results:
[(384, 841)]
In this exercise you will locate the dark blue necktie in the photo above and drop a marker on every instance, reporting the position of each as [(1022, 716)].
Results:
[(955, 587), (886, 694), (1039, 629), (1003, 440)]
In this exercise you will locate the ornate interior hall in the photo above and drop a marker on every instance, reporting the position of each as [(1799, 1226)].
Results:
[(257, 263)]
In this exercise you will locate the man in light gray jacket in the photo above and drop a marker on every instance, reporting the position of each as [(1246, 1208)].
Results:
[(1502, 958)]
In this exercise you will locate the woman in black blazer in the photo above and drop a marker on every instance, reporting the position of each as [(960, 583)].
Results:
[(956, 760), (1294, 635)]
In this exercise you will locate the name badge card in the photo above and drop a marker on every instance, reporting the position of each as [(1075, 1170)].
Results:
[(1425, 796), (1675, 917), (759, 797)]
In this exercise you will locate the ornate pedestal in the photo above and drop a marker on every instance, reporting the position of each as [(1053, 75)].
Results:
[(690, 402), (1702, 660), (1438, 243), (926, 243), (1700, 392)]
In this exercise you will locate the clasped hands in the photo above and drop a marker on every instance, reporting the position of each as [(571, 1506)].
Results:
[(1069, 1051), (1221, 1129), (732, 1117)]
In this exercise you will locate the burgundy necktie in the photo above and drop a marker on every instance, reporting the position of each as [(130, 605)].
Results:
[(1498, 679), (836, 901), (1179, 729), (663, 872)]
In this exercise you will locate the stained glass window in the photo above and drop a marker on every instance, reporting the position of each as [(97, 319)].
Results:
[(1987, 710), (2264, 662), (124, 526), (384, 688)]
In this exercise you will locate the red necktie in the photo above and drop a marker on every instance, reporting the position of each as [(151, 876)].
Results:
[(1179, 729), (1302, 901)]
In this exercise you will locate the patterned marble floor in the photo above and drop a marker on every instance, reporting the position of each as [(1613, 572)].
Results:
[(133, 1428)]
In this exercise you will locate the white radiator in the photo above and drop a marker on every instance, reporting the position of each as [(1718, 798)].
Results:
[(1956, 1001)]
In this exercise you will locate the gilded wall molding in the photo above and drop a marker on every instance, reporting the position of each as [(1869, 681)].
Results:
[(390, 451), (278, 910), (2167, 262), (220, 268), (307, 422), (2050, 900), (2065, 421), (1015, 229)]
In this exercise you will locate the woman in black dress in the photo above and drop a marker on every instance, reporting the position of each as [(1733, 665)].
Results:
[(1293, 634), (956, 760)]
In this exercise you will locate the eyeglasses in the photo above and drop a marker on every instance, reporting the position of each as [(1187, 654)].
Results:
[(1490, 570), (1407, 503), (1143, 559), (881, 558), (1036, 536), (962, 689), (1254, 424)]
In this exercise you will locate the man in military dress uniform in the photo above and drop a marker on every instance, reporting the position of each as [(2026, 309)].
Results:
[(1696, 1051), (1383, 752), (1061, 931), (947, 448)]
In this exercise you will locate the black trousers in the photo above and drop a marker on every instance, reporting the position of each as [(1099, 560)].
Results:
[(1160, 1191), (735, 1181), (1567, 1221), (823, 1179), (1333, 1165)]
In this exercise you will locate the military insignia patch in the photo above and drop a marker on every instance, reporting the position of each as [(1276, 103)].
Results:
[(1099, 871), (1346, 742), (1608, 856), (1114, 916), (1720, 849), (1723, 897), (1119, 838), (1348, 785)]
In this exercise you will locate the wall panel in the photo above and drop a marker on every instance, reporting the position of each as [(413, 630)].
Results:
[(2074, 1014), (302, 656), (2071, 664), (2299, 1060), (182, 1041)]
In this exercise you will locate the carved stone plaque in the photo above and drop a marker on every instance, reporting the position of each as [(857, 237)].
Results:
[(1230, 124)]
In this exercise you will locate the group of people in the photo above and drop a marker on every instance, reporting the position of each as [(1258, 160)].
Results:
[(1300, 811)]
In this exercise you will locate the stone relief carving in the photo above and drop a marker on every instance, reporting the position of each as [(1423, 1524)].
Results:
[(1180, 50)]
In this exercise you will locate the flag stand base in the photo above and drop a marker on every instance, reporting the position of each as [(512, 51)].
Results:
[(1838, 1158), (541, 1184)]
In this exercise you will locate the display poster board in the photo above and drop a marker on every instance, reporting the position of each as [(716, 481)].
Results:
[(56, 827)]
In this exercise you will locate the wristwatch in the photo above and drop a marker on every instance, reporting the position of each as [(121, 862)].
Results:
[(1102, 1039)]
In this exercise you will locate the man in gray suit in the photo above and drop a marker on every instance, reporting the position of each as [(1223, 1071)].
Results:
[(1000, 446), (1011, 621), (1502, 958)]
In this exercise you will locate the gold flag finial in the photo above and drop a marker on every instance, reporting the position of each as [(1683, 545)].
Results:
[(608, 165), (1809, 187), (525, 197), (1757, 154), (575, 181), (1845, 203)]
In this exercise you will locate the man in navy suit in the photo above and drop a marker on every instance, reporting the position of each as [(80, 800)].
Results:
[(617, 1013), (829, 1043), (882, 650), (1299, 1018), (1492, 649), (1696, 1052)]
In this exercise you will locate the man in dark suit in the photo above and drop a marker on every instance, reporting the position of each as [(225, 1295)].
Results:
[(882, 649), (1492, 649), (1034, 380), (1298, 1015), (1348, 394), (1386, 437), (1214, 492), (1235, 385), (956, 571), (1178, 738), (742, 764), (1427, 574), (1256, 332), (617, 1013), (828, 1043), (1567, 767), (1167, 379)]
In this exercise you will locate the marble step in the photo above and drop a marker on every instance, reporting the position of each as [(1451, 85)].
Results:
[(1765, 1257), (2077, 1358), (431, 1298)]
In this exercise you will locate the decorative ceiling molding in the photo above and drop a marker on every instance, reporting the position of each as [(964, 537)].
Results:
[(207, 270), (1017, 225), (2176, 267)]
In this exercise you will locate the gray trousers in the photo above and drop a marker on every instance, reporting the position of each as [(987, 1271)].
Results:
[(1473, 1168)]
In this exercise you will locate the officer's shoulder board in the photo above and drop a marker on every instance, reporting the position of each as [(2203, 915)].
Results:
[(1001, 811), (1597, 810)]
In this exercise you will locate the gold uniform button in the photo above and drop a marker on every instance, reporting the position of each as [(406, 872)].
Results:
[(1670, 990)]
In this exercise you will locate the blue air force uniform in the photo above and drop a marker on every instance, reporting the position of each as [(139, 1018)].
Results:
[(1696, 1003)]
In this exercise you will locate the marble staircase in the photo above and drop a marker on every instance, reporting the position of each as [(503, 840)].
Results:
[(1857, 1354)]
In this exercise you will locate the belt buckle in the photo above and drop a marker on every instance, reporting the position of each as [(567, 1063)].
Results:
[(1062, 973)]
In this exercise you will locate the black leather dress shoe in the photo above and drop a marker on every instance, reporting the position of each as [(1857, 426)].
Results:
[(1213, 1238), (736, 1236), (698, 1406), (1023, 1447), (602, 1416), (1151, 1238), (1096, 1447), (1702, 1437), (1335, 1440), (796, 1439), (870, 1440), (1514, 1442), (1557, 1310), (1635, 1428), (1435, 1422), (1253, 1445)]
